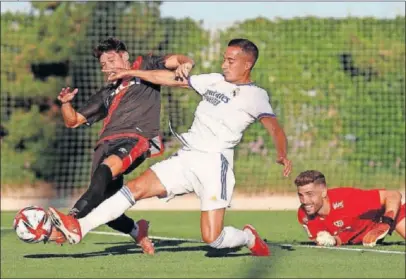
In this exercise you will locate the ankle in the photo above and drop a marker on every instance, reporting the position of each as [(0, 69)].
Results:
[(134, 232), (250, 238)]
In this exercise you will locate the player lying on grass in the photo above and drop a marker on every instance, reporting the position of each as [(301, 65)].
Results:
[(130, 108), (204, 165), (347, 215)]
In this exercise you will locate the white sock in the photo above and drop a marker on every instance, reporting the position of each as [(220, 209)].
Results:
[(107, 211), (231, 237), (134, 231), (251, 238)]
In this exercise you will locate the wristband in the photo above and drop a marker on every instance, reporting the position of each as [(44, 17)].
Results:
[(389, 221)]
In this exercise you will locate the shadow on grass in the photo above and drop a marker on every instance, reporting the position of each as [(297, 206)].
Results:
[(124, 248), (394, 243)]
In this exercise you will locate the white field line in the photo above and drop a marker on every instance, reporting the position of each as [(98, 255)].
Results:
[(352, 249), (269, 243)]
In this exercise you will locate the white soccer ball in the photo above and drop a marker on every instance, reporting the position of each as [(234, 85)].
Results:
[(32, 224)]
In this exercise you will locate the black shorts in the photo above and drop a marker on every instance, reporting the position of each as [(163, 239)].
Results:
[(133, 151)]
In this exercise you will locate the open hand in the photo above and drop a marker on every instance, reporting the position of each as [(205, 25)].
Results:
[(66, 95), (287, 163)]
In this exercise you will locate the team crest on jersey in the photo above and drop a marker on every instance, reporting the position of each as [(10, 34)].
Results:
[(339, 223), (215, 98), (339, 204), (123, 150), (122, 86)]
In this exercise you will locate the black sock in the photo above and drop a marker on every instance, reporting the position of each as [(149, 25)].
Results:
[(95, 194), (123, 224)]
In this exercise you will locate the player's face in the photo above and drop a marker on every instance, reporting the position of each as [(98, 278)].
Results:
[(236, 64), (113, 60), (311, 197)]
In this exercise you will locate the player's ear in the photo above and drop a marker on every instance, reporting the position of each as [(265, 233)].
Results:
[(125, 56), (248, 65)]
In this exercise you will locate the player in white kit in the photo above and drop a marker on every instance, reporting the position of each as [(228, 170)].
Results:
[(204, 165)]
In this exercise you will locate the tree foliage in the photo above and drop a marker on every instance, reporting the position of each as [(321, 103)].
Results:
[(337, 86)]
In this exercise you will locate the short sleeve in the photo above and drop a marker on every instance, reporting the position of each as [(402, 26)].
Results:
[(259, 105), (94, 109), (153, 62), (200, 83)]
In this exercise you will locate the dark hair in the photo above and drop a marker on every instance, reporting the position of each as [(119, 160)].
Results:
[(310, 176), (247, 46), (108, 45)]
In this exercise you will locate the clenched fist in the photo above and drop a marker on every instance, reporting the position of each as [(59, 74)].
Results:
[(183, 70), (324, 238)]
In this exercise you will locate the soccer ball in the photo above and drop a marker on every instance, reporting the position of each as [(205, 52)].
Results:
[(32, 224)]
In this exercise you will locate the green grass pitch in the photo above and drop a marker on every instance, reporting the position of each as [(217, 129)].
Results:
[(114, 256)]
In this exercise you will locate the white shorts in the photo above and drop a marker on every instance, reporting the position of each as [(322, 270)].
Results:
[(209, 175)]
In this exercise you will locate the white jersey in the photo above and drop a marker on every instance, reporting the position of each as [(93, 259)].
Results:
[(224, 112)]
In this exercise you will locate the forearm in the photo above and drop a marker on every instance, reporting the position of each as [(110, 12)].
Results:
[(69, 115), (174, 61), (280, 142), (182, 59), (160, 77), (338, 240), (392, 203)]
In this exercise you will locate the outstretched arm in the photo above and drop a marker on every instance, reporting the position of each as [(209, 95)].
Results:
[(279, 138), (92, 111), (180, 63), (159, 77), (173, 61)]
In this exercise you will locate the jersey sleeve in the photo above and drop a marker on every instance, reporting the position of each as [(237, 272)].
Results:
[(259, 105), (200, 83), (311, 227), (94, 109), (153, 62)]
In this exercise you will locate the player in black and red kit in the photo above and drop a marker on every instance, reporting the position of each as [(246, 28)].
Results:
[(130, 108)]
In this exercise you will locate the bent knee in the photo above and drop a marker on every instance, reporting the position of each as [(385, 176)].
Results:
[(115, 164), (210, 237), (137, 188)]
